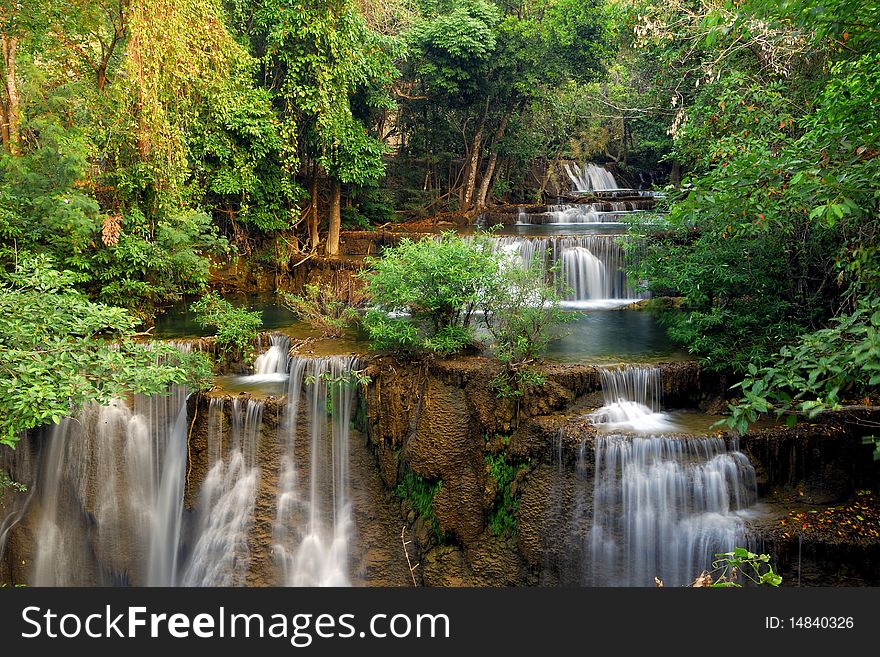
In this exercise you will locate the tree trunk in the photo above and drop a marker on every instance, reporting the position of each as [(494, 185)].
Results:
[(335, 218), (11, 136), (493, 158), (675, 174), (474, 160), (314, 238)]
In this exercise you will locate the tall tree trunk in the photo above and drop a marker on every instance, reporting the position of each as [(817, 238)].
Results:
[(335, 218), (474, 161), (493, 158), (675, 174), (314, 238), (11, 136)]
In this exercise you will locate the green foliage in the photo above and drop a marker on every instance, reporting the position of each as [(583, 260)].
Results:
[(817, 373), (775, 232), (740, 562), (503, 516), (6, 482), (59, 351), (521, 309), (236, 328), (509, 384), (322, 309), (421, 493), (438, 283)]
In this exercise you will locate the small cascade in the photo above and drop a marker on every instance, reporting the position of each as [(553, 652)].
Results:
[(313, 519), (632, 400), (582, 213), (271, 365), (591, 265), (584, 273), (590, 177), (663, 506), (220, 556), (109, 494)]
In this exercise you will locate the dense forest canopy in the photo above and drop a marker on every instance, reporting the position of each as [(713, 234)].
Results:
[(145, 140)]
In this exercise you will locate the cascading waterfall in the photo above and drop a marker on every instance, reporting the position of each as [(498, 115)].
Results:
[(220, 556), (583, 213), (313, 520), (110, 494), (663, 506), (592, 265), (632, 400), (271, 365), (590, 177)]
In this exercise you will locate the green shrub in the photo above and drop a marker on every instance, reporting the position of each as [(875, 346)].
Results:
[(502, 517), (236, 328), (322, 309), (520, 310), (437, 283), (59, 351), (421, 493)]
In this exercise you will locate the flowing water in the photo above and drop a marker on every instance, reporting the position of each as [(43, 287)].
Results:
[(110, 494), (662, 504), (592, 266), (313, 521), (220, 556), (633, 397), (590, 177)]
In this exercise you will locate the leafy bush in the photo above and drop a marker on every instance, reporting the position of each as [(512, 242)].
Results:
[(322, 309), (520, 310), (502, 517), (437, 283), (816, 373), (236, 328), (59, 351)]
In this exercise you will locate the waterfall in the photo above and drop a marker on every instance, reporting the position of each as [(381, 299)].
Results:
[(632, 400), (109, 494), (592, 265), (590, 177), (220, 556), (663, 506), (271, 365), (313, 518), (583, 213)]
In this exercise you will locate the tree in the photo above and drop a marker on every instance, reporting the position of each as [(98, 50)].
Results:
[(426, 292), (476, 66), (59, 351)]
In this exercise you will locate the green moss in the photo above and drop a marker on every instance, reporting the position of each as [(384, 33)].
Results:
[(502, 517), (421, 493)]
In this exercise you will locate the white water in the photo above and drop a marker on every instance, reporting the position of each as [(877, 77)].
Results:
[(663, 506), (313, 520), (583, 213), (590, 177), (271, 365), (591, 265), (220, 556), (109, 494), (632, 401)]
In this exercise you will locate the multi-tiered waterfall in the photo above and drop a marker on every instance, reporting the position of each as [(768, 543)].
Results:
[(663, 505)]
